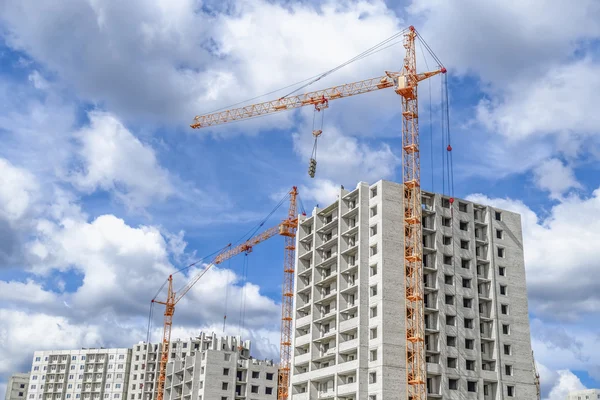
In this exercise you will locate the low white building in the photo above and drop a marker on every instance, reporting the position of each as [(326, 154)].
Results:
[(86, 374), (206, 367), (16, 389), (587, 394)]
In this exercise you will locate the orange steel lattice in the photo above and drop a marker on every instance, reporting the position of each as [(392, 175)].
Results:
[(286, 228), (405, 84), (289, 228)]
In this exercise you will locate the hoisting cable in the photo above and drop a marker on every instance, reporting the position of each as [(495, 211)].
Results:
[(243, 295), (430, 119), (226, 295), (301, 205), (447, 122), (312, 166)]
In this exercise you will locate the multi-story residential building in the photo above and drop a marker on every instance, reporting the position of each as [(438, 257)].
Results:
[(16, 389), (86, 374), (205, 367), (349, 326), (587, 394)]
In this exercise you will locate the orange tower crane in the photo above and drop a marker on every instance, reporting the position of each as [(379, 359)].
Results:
[(286, 228), (405, 84)]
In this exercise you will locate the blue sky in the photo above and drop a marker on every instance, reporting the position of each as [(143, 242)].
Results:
[(105, 190)]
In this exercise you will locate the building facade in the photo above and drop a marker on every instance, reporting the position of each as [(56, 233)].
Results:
[(17, 387), (349, 326), (587, 394), (87, 374), (203, 368)]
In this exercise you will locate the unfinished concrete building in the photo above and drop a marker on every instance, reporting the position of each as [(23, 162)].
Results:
[(349, 327), (203, 368), (586, 394), (87, 374), (16, 388)]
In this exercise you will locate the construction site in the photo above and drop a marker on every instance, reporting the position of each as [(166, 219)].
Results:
[(390, 292)]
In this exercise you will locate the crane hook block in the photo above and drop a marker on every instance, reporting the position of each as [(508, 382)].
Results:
[(312, 167)]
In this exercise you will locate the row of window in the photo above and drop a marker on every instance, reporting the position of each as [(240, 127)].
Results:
[(80, 376), (77, 396), (82, 358)]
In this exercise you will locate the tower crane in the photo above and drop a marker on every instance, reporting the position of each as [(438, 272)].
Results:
[(286, 228), (405, 84), (536, 379)]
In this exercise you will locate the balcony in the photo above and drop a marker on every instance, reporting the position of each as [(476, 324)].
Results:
[(348, 324), (348, 345), (327, 394), (347, 388), (300, 322), (303, 340), (302, 358)]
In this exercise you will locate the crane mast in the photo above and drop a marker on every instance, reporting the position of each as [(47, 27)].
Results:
[(286, 228), (405, 84)]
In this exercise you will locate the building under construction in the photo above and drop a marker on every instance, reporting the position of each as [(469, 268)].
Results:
[(350, 323)]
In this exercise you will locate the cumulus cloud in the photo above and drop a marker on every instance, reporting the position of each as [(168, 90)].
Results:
[(347, 159), (567, 382), (555, 177), (115, 160), (171, 63)]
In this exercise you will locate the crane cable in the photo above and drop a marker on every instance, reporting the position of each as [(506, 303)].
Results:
[(252, 232), (243, 295), (226, 296)]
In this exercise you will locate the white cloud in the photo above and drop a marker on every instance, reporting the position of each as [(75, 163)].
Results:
[(504, 41), (559, 100), (555, 177), (559, 257), (322, 191), (567, 382), (115, 160), (171, 63), (18, 189), (346, 159)]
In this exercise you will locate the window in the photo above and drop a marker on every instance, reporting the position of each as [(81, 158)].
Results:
[(227, 356), (503, 290), (226, 371), (464, 244), (374, 270), (451, 341), (466, 282), (224, 385), (254, 389), (447, 240), (510, 391), (255, 374), (374, 192), (451, 362), (449, 299), (502, 271), (498, 215), (500, 252), (499, 233), (372, 377), (507, 349), (373, 333), (38, 359), (464, 226), (506, 329), (453, 384), (374, 230), (462, 207), (374, 290), (448, 279), (470, 365), (373, 211), (471, 386), (447, 260), (504, 309), (469, 344), (469, 323), (373, 312), (374, 249), (466, 264), (446, 221), (508, 370), (373, 355), (445, 203), (450, 320)]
